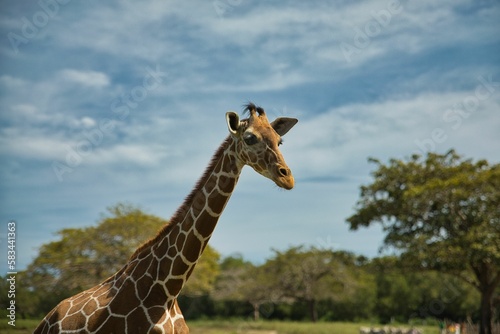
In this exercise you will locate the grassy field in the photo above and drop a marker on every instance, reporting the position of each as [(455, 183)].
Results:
[(284, 327), (22, 327), (241, 327)]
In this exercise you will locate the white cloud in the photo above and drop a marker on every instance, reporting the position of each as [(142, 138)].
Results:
[(334, 142), (85, 78), (35, 145), (11, 82), (87, 122), (126, 154)]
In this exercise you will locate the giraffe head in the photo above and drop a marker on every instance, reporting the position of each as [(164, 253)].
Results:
[(257, 143)]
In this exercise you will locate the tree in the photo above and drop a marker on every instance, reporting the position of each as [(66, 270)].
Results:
[(442, 213), (396, 298), (242, 281), (309, 275), (358, 296), (83, 257)]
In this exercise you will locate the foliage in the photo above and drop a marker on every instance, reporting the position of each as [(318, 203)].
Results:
[(241, 281), (83, 257), (443, 213), (361, 300), (404, 294), (235, 274), (310, 276)]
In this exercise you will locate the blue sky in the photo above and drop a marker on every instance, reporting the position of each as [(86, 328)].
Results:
[(120, 101)]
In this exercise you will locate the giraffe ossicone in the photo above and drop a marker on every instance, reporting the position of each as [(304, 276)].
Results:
[(142, 296)]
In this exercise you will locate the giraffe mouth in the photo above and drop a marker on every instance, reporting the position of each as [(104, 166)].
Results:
[(285, 183)]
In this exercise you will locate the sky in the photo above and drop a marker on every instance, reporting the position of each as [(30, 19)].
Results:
[(124, 102)]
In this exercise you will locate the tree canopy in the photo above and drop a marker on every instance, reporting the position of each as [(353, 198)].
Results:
[(441, 212), (83, 257), (309, 275)]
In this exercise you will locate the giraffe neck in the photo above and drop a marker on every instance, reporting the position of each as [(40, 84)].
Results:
[(143, 293), (174, 252)]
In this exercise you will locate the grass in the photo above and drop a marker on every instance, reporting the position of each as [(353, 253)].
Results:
[(23, 326), (241, 327), (285, 327)]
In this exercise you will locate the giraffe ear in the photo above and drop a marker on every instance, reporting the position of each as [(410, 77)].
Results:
[(233, 122), (283, 124)]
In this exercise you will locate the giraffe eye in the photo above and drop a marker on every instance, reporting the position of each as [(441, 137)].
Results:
[(281, 142), (250, 138)]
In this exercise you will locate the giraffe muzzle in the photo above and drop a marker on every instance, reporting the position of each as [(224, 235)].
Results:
[(284, 178)]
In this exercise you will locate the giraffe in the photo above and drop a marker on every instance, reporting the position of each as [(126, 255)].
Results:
[(142, 296)]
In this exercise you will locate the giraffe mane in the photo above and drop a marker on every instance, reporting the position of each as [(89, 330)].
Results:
[(188, 201), (252, 108)]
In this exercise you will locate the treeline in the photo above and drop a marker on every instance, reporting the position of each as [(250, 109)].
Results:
[(300, 283), (316, 284)]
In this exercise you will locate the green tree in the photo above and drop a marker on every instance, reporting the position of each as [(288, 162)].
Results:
[(310, 276), (228, 292), (407, 294), (442, 213), (357, 300), (397, 298), (242, 281), (83, 257)]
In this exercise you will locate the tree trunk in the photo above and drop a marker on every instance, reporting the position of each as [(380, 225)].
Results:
[(256, 313), (485, 326), (488, 279), (312, 310)]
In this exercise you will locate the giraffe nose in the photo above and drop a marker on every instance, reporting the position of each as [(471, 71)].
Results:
[(284, 171), (284, 177)]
